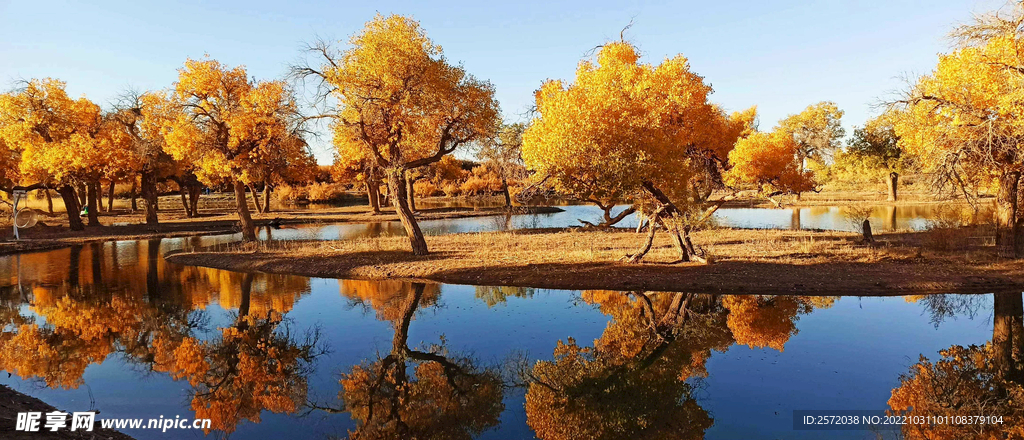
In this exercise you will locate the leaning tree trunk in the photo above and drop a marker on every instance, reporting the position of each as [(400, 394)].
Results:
[(256, 199), (92, 196), (67, 192), (149, 197), (184, 200), (373, 194), (892, 182), (49, 200), (266, 197), (1006, 215), (639, 255), (242, 203), (110, 197), (400, 201)]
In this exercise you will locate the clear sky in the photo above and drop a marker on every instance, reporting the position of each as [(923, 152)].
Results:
[(778, 55)]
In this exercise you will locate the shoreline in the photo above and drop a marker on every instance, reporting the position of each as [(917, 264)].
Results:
[(51, 238), (12, 402), (745, 262)]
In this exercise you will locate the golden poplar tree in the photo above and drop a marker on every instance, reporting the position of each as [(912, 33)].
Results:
[(57, 138), (228, 127), (626, 129), (404, 104)]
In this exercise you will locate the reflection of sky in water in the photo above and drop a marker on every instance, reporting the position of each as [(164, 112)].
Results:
[(848, 356)]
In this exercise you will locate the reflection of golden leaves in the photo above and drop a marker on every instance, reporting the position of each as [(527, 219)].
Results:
[(387, 297), (964, 382)]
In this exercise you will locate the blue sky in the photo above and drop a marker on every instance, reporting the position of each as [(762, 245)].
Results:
[(779, 55)]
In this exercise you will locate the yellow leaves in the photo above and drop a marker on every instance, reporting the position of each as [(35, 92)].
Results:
[(769, 161), (623, 122), (55, 134), (228, 127), (400, 99)]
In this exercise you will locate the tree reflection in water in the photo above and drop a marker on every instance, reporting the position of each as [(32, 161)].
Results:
[(638, 379), (88, 313), (447, 396), (969, 381)]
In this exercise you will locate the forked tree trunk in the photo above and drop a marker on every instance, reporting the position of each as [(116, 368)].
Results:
[(892, 182), (401, 203), (244, 218), (110, 197), (1006, 215), (92, 196), (67, 193), (149, 197)]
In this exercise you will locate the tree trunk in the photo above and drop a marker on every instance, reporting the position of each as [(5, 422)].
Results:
[(49, 200), (638, 256), (401, 203), (92, 194), (256, 199), (149, 197), (266, 197), (184, 200), (242, 203), (133, 194), (608, 219), (194, 191), (1008, 311), (892, 182), (373, 194), (1006, 214), (504, 189), (83, 189), (409, 191), (67, 193), (794, 220), (110, 197)]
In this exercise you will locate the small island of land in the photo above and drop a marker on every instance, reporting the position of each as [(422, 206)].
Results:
[(743, 261)]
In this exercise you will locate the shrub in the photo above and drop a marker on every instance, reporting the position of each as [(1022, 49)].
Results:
[(325, 192), (426, 188), (290, 194), (451, 189)]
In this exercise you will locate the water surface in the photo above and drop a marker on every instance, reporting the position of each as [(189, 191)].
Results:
[(112, 326)]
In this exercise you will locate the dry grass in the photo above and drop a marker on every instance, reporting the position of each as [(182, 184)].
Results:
[(763, 261)]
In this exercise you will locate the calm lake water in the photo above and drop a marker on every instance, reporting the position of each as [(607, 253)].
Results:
[(112, 326), (883, 218)]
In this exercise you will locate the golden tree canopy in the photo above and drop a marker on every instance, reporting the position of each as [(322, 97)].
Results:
[(230, 127), (623, 122), (55, 133), (402, 103)]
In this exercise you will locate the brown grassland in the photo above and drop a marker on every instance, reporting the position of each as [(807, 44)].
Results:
[(743, 261)]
